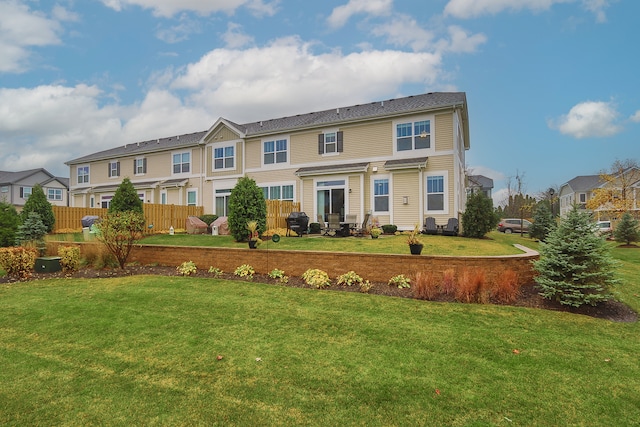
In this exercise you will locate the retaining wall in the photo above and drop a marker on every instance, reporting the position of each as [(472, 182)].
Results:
[(373, 267)]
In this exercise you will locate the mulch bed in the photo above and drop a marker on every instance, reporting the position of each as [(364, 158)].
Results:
[(528, 297)]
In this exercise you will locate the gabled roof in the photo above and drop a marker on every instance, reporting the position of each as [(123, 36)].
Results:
[(584, 183), (480, 181), (361, 112), (15, 177)]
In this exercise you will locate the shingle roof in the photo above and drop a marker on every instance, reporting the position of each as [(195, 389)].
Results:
[(481, 181), (13, 177), (584, 183), (391, 107)]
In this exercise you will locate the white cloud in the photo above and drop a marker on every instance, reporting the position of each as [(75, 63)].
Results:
[(179, 32), (404, 31), (461, 42), (22, 29), (243, 84), (341, 14), (466, 9), (234, 37), (635, 117), (589, 120), (168, 8)]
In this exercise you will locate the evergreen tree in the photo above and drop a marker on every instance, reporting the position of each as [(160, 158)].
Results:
[(126, 199), (9, 221), (479, 216), (575, 266), (543, 222), (38, 203), (627, 230), (246, 203), (31, 232)]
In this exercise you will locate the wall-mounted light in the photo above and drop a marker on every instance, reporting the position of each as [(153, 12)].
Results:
[(405, 200), (374, 169), (349, 190)]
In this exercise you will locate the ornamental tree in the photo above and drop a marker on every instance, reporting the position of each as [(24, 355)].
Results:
[(246, 203), (479, 217), (38, 203), (575, 266), (119, 231)]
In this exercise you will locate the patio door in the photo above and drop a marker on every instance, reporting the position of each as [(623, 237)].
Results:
[(330, 198)]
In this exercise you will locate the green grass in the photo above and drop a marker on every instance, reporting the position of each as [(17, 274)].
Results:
[(143, 351)]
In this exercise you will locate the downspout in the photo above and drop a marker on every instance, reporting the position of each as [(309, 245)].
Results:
[(362, 195)]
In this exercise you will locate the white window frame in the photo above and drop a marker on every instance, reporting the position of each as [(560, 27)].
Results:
[(275, 152), (445, 182), (173, 163), (163, 197), (193, 191), (27, 192), (334, 143), (582, 196), (114, 169), (55, 194), (224, 146), (269, 186), (373, 193), (413, 120), (105, 200), (4, 189), (140, 166), (85, 176)]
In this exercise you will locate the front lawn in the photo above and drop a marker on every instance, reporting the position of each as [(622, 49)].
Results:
[(144, 350)]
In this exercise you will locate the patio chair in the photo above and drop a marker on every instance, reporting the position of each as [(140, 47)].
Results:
[(359, 231), (451, 229), (324, 230), (351, 219), (430, 226), (334, 223)]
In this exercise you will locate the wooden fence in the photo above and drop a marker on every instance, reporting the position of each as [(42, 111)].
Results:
[(164, 216), (278, 211), (161, 216)]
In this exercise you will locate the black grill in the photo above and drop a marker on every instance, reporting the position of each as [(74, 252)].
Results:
[(89, 220), (298, 222)]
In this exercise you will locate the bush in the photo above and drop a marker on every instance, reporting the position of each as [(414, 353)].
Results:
[(389, 229), (575, 266), (31, 232), (279, 275), (479, 217), (627, 229), (208, 218), (119, 231), (126, 199), (314, 228), (187, 268), (471, 286), (9, 221), (316, 278), (543, 222), (38, 203), (246, 271), (350, 278), (18, 261), (69, 258), (505, 289), (448, 281), (246, 203), (401, 281), (425, 286)]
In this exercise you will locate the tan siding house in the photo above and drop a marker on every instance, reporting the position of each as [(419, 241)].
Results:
[(398, 160)]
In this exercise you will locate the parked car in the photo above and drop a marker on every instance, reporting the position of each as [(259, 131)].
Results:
[(513, 225), (604, 228)]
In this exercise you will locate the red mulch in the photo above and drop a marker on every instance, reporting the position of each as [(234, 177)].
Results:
[(528, 297)]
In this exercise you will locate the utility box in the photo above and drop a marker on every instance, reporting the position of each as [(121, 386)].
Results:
[(214, 230), (47, 264)]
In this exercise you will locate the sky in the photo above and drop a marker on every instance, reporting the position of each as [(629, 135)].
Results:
[(552, 85)]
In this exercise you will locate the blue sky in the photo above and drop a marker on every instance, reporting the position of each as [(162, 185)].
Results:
[(551, 85)]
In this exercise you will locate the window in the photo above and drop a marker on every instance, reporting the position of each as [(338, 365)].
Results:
[(4, 189), (83, 174), (92, 202), (25, 192), (163, 198), (222, 202), (223, 158), (139, 166), (435, 193), (54, 194), (278, 192), (330, 142), (105, 201), (381, 195), (192, 197), (275, 151), (181, 163), (582, 197), (413, 135), (114, 169)]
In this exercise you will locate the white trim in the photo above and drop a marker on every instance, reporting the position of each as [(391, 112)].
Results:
[(173, 153), (275, 165), (445, 175), (224, 145), (279, 184), (186, 200), (324, 140), (345, 187), (372, 192), (421, 152)]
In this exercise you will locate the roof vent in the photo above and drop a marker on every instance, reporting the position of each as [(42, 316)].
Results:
[(260, 123), (137, 144), (158, 141), (382, 103), (337, 111), (178, 137)]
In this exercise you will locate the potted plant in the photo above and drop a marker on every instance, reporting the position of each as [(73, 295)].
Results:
[(254, 236), (415, 245), (375, 232)]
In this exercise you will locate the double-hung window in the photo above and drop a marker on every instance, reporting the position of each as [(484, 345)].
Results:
[(278, 192), (83, 174), (181, 163), (413, 135), (114, 169), (435, 193), (223, 157), (140, 166), (192, 197), (381, 195), (54, 194), (25, 192), (330, 142), (275, 151)]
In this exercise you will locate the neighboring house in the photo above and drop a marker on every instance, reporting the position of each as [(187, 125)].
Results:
[(399, 160), (479, 183), (16, 187)]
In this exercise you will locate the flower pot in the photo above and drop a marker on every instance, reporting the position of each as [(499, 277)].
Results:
[(374, 237), (253, 244), (416, 249)]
